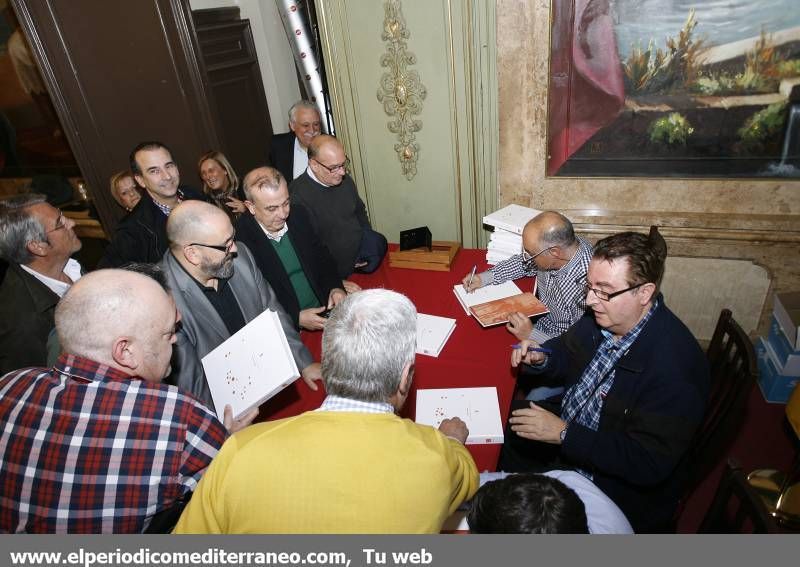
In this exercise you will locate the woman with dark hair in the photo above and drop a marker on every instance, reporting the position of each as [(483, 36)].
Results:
[(220, 183)]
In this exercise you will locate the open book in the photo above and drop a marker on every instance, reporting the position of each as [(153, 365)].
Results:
[(496, 312), (477, 407), (432, 333), (484, 294), (251, 366)]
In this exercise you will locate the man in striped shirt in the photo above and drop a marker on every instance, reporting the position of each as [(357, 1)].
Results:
[(559, 260), (97, 444)]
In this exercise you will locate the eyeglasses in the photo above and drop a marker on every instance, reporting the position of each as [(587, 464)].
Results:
[(332, 168), (605, 296), (221, 247), (527, 258), (60, 223)]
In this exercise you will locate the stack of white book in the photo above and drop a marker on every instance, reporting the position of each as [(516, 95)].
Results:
[(506, 240)]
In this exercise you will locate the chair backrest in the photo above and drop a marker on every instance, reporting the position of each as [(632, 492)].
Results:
[(732, 362), (736, 507)]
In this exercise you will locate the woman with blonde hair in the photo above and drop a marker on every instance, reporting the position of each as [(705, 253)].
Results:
[(220, 183), (124, 190)]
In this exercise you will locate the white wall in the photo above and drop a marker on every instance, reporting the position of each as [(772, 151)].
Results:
[(274, 54)]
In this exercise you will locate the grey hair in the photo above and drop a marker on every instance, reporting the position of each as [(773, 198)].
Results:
[(370, 337), (559, 233), (263, 178), (18, 227), (302, 104)]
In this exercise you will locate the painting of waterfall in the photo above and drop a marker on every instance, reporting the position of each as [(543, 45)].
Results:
[(674, 88)]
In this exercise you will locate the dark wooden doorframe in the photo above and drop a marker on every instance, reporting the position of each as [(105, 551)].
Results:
[(74, 44)]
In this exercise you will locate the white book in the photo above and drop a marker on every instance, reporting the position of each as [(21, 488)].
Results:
[(504, 247), (484, 294), (512, 218), (479, 408), (251, 366), (432, 333), (500, 235)]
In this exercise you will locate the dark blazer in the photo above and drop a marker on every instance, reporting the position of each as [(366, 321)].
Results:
[(27, 307), (281, 154), (314, 257), (141, 236), (649, 416)]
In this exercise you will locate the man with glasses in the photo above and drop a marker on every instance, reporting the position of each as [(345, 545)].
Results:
[(559, 260), (37, 240), (636, 387), (336, 210), (218, 289), (287, 250)]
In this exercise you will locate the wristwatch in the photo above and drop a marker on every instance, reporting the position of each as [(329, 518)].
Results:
[(563, 434)]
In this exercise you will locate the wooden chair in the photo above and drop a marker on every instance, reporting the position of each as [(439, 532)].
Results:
[(732, 363), (736, 507), (733, 369)]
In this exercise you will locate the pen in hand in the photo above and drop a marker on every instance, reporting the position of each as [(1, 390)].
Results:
[(534, 349), (471, 275)]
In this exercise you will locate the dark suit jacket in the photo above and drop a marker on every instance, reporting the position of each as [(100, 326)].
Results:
[(314, 257), (281, 154), (141, 236), (27, 307), (648, 418)]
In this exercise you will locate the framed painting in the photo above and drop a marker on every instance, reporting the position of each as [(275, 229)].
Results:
[(32, 141), (674, 88)]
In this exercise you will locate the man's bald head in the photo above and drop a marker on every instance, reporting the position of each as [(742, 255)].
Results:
[(551, 229), (196, 221), (323, 142), (108, 306)]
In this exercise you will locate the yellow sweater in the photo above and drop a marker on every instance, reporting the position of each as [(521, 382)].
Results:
[(332, 472)]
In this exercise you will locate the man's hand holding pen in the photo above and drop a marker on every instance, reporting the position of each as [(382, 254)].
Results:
[(529, 352)]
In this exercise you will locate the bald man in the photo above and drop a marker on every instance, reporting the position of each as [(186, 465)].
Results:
[(337, 212), (218, 289), (97, 443), (559, 259)]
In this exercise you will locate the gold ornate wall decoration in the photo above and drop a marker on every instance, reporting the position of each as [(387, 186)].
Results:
[(401, 90)]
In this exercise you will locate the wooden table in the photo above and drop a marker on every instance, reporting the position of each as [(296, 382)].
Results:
[(472, 357)]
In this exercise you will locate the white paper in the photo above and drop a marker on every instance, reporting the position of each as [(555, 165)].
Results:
[(484, 294), (251, 366), (512, 218), (432, 333), (479, 408)]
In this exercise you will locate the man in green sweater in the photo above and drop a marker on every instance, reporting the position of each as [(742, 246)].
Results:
[(338, 213)]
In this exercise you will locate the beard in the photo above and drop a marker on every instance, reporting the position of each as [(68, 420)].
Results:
[(221, 270)]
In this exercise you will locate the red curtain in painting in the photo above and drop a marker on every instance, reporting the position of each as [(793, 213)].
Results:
[(586, 88)]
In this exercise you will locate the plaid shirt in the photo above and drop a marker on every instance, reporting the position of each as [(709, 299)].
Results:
[(164, 208), (85, 448), (338, 403), (583, 402), (561, 290)]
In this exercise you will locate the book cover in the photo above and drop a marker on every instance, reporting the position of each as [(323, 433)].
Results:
[(484, 294), (496, 312), (432, 333), (479, 408), (251, 366)]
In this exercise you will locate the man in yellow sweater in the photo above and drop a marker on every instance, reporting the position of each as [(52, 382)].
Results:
[(353, 465)]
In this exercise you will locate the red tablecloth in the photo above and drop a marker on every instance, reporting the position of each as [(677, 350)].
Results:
[(473, 356)]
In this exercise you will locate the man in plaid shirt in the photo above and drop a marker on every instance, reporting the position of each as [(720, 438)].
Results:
[(559, 260), (97, 444)]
